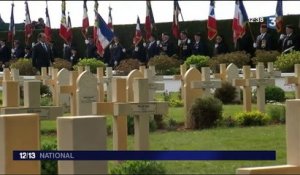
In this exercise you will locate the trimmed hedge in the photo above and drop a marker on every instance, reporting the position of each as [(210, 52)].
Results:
[(126, 33)]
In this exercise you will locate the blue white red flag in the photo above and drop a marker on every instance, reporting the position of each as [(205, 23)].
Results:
[(211, 22), (47, 30), (279, 15), (104, 35), (239, 21), (11, 27)]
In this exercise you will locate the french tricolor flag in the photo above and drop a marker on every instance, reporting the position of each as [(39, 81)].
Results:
[(239, 21), (104, 34), (85, 20), (211, 22)]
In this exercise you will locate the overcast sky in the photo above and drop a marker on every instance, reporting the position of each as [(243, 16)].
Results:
[(125, 12)]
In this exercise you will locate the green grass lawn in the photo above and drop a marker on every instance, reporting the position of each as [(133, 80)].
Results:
[(249, 138)]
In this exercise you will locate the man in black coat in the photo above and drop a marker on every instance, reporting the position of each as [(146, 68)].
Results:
[(151, 48), (18, 51), (139, 52), (263, 41), (166, 46), (288, 42), (184, 46), (4, 52), (41, 53), (116, 52), (199, 47), (91, 49), (220, 46)]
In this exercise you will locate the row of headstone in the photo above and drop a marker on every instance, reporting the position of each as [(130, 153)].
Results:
[(21, 131)]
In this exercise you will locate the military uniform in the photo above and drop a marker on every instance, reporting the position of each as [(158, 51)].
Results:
[(184, 48)]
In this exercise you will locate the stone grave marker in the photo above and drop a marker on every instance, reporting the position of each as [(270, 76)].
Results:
[(52, 84), (223, 73), (271, 73), (246, 88), (183, 69), (153, 84), (141, 108), (70, 89), (142, 69), (295, 80), (80, 69), (206, 83), (107, 81), (19, 132), (32, 103), (63, 79), (87, 68), (232, 72), (107, 108), (100, 87), (11, 90), (86, 93), (190, 94), (260, 82), (292, 145), (129, 81), (82, 133), (44, 75)]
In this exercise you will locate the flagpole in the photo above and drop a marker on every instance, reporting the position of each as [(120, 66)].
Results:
[(13, 35), (252, 36)]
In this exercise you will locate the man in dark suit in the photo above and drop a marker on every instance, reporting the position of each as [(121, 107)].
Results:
[(116, 52), (220, 46), (91, 49), (184, 46), (166, 46), (4, 52), (151, 48), (139, 52), (263, 41), (289, 41), (18, 51), (199, 47), (41, 53)]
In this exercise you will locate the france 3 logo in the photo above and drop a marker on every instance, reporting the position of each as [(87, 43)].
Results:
[(271, 22)]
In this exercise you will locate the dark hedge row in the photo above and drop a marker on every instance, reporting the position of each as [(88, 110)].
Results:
[(126, 32)]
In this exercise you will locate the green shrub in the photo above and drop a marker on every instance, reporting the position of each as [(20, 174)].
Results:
[(239, 58), (139, 167), (274, 93), (265, 56), (24, 65), (60, 63), (49, 166), (198, 60), (93, 63), (174, 102), (172, 124), (205, 112), (227, 122), (159, 121), (165, 65), (277, 113), (286, 62), (127, 65), (226, 93), (253, 118)]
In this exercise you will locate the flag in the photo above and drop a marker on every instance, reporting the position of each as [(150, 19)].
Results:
[(109, 23), (11, 27), (28, 26), (85, 20), (95, 23), (175, 24), (149, 22), (279, 15), (211, 22), (64, 31), (69, 25), (47, 29), (104, 35), (239, 21), (138, 33)]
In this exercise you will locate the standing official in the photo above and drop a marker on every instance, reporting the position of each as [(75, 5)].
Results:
[(4, 53), (166, 46), (263, 41), (151, 48), (289, 41), (91, 49), (184, 46), (18, 51), (220, 46), (116, 52), (199, 47), (41, 53)]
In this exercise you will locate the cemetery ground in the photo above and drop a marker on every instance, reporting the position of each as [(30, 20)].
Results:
[(270, 137)]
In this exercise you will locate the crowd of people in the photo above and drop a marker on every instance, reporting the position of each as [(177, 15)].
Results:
[(42, 52)]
